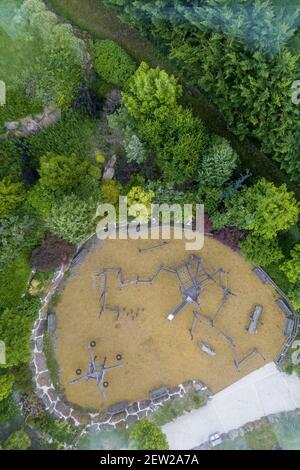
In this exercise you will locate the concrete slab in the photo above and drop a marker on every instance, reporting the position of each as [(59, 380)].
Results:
[(264, 391)]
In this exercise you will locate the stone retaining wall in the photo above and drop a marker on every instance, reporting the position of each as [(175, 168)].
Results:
[(31, 124)]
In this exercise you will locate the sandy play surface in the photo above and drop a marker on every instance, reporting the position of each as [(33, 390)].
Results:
[(154, 351)]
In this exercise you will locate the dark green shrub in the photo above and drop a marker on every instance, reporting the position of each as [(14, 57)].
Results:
[(10, 160), (261, 251), (15, 330), (147, 436), (112, 63), (74, 134), (19, 440), (218, 163)]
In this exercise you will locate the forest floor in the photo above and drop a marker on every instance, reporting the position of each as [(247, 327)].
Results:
[(102, 23), (154, 351)]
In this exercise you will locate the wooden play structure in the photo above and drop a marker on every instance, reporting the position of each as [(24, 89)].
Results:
[(192, 278), (95, 371)]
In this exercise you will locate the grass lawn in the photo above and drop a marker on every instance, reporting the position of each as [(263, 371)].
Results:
[(101, 22), (13, 281), (24, 53), (51, 361), (175, 408), (113, 440), (287, 431), (263, 438)]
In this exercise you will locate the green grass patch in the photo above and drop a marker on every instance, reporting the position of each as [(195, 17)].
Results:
[(13, 281), (287, 431), (112, 440), (288, 365), (16, 57), (172, 409), (263, 438), (52, 364)]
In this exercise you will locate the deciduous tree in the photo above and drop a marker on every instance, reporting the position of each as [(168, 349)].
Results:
[(151, 92), (53, 252), (146, 435), (291, 267)]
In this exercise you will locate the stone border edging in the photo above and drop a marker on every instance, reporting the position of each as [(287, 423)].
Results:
[(31, 124)]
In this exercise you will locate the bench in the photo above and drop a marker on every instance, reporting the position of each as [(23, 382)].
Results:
[(283, 306), (254, 319), (289, 326), (51, 323), (261, 275)]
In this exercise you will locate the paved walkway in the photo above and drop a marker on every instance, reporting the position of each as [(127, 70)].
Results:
[(263, 392)]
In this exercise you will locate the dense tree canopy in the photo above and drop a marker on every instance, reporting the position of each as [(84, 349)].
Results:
[(261, 251), (263, 208), (72, 219), (151, 92), (110, 192), (138, 195), (183, 142), (17, 234), (217, 164), (237, 53), (19, 440)]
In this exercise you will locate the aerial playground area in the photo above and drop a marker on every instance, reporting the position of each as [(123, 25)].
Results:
[(135, 315)]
